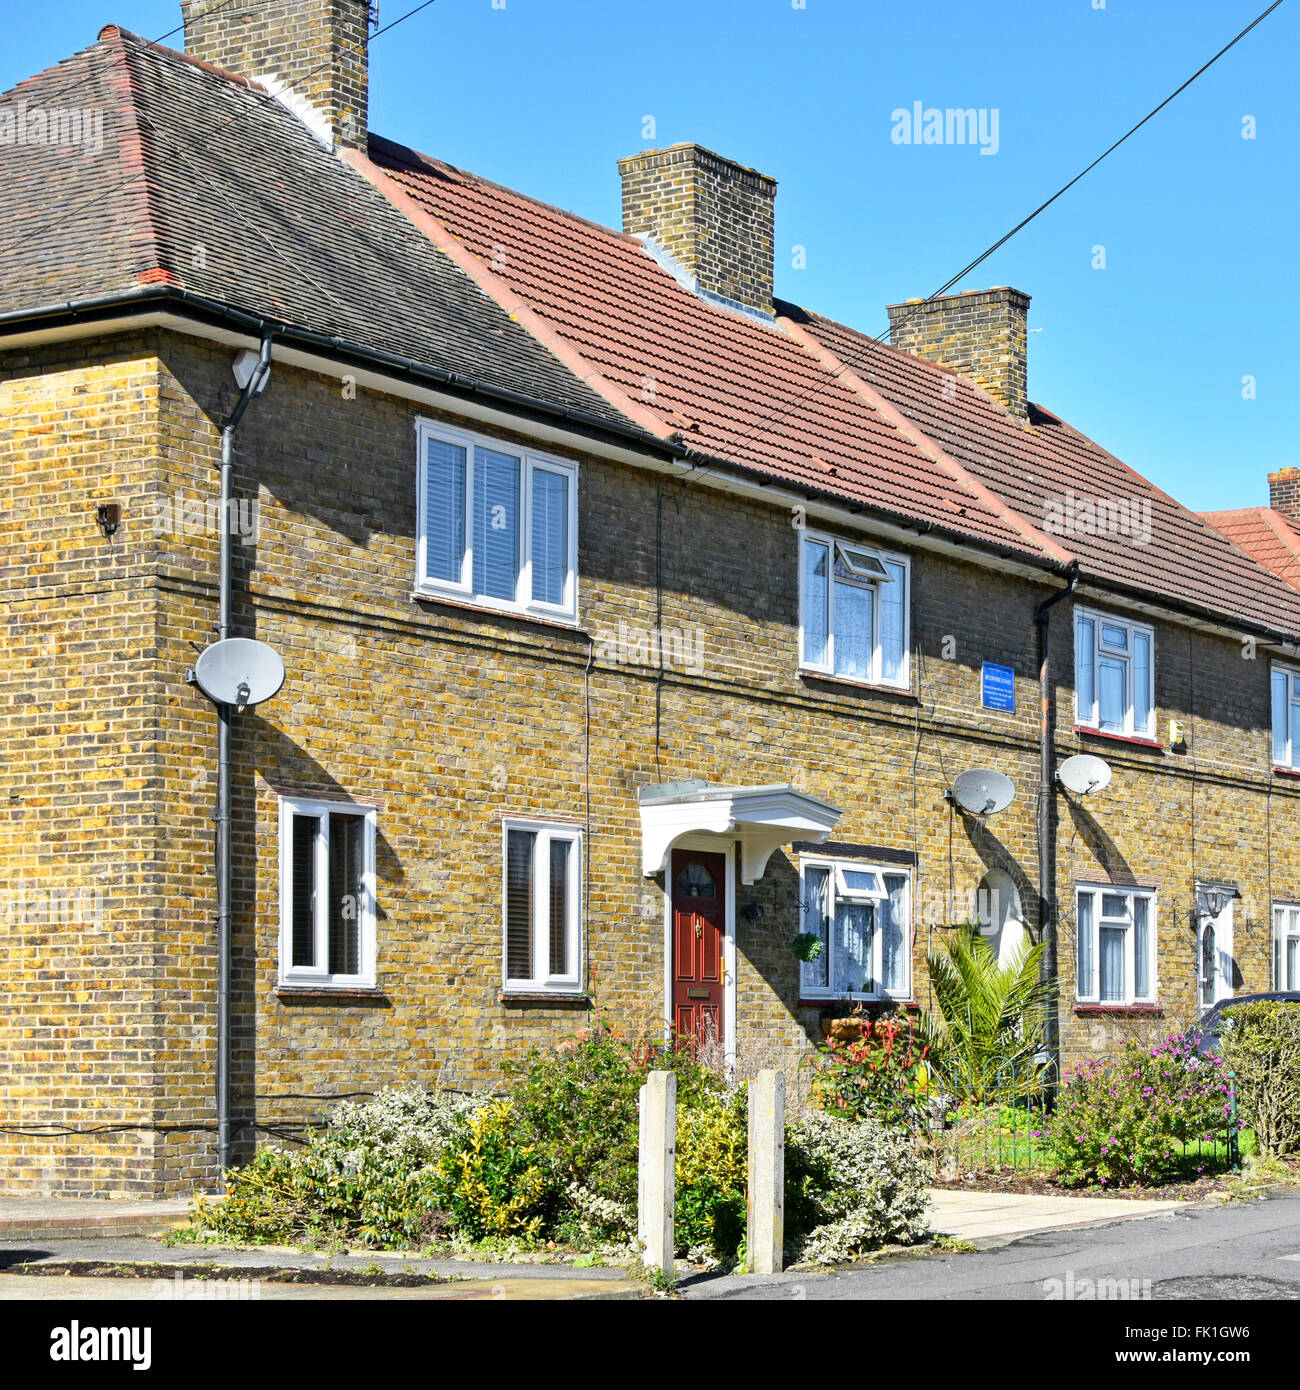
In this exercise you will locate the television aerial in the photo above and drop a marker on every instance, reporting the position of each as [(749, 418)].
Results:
[(982, 791), (239, 672), (1083, 774)]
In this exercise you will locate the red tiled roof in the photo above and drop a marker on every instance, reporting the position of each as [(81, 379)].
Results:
[(1270, 536), (1185, 559), (754, 395), (817, 404)]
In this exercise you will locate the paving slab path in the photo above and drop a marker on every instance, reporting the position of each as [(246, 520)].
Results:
[(982, 1216)]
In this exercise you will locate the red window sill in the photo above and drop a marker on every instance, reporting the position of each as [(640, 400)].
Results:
[(1089, 732), (1286, 772), (1121, 1010)]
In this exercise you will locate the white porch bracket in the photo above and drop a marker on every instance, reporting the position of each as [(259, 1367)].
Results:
[(761, 818)]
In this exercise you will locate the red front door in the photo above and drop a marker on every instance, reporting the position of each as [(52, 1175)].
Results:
[(699, 889)]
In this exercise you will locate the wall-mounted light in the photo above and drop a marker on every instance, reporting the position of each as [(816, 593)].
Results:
[(753, 912), (1177, 736), (108, 517)]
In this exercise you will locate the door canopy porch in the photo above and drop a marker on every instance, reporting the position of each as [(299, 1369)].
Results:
[(761, 818)]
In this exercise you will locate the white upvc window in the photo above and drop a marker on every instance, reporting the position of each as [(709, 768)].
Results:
[(853, 611), (1114, 675), (327, 893), (1286, 717), (862, 915), (1286, 947), (497, 524), (1115, 945), (541, 906)]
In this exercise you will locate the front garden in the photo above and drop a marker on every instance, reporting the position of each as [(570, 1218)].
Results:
[(549, 1162)]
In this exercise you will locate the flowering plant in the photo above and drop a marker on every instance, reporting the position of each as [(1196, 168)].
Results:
[(882, 1075), (1128, 1121)]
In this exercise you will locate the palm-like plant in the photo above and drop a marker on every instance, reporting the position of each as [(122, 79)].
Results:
[(991, 1015)]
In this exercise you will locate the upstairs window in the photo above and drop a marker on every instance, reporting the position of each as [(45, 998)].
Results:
[(1116, 945), (543, 907), (1286, 718), (1114, 675), (861, 914), (497, 524), (327, 893), (853, 612)]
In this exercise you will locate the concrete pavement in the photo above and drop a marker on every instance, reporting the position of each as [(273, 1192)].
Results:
[(988, 1216)]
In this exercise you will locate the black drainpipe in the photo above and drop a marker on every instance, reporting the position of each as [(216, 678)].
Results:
[(1046, 843), (253, 387)]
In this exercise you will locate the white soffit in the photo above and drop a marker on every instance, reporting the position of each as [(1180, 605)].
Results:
[(761, 818)]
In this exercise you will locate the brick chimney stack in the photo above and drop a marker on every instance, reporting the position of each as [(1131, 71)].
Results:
[(712, 216), (1284, 491), (315, 48), (980, 334)]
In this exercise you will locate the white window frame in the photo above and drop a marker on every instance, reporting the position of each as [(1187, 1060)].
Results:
[(838, 894), (1091, 718), (1286, 926), (1089, 991), (318, 973), (546, 831), (904, 679), (1290, 700), (531, 462)]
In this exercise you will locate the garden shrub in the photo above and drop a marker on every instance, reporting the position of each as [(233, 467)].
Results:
[(1125, 1122), (881, 1076), (851, 1186), (575, 1109), (488, 1182), (369, 1175), (1261, 1046), (712, 1177)]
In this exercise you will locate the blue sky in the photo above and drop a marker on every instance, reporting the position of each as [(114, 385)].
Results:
[(1147, 355)]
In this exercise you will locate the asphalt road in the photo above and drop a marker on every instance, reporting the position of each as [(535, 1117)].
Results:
[(1241, 1250)]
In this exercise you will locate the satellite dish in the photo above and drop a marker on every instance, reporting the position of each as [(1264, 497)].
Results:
[(983, 792), (239, 672), (1083, 774)]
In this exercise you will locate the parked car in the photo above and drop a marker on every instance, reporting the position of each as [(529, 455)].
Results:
[(1208, 1032)]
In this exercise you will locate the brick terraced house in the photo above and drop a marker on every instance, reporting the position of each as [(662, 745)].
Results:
[(635, 621)]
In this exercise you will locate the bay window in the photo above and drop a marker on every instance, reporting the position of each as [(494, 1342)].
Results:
[(861, 914), (1116, 945), (496, 524), (1114, 675), (853, 611)]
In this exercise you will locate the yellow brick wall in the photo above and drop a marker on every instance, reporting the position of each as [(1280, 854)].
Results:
[(447, 720)]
